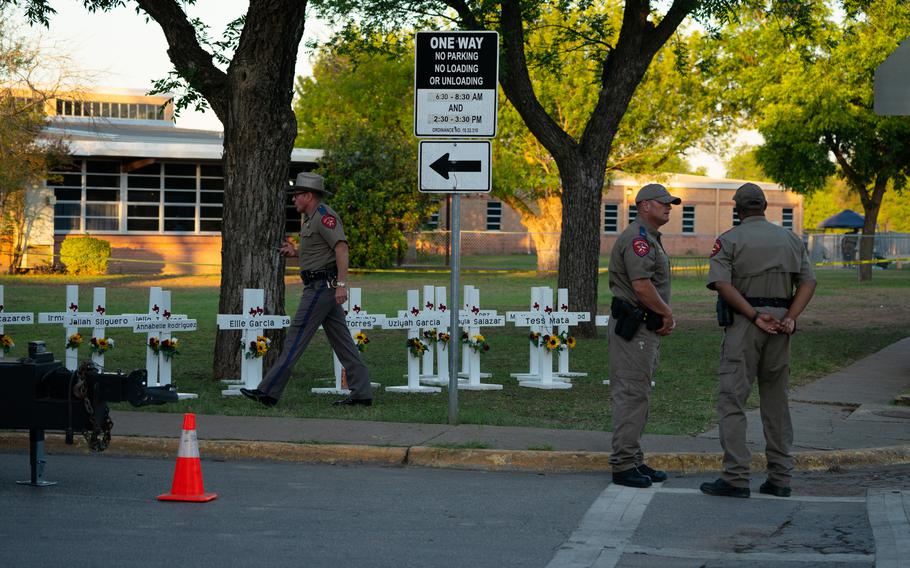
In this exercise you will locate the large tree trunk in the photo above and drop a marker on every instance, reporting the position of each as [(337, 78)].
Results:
[(253, 102), (579, 248)]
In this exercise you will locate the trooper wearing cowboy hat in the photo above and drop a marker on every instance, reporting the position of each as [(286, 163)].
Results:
[(640, 315), (323, 256)]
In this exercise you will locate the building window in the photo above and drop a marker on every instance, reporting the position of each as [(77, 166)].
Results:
[(611, 217), (633, 212), (787, 218), (102, 195), (688, 219), (433, 222), (494, 215), (735, 217)]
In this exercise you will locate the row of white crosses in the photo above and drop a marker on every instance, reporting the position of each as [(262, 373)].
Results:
[(158, 323), (541, 319)]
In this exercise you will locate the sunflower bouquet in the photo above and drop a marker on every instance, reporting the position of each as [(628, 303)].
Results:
[(478, 344), (416, 346), (74, 341), (100, 345), (258, 348), (431, 336), (6, 343), (361, 339), (443, 338), (534, 337), (169, 348), (154, 345), (568, 341), (551, 342)]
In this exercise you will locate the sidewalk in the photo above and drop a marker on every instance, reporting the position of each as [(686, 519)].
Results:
[(843, 419)]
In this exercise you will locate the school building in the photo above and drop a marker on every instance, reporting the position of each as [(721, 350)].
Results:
[(155, 192)]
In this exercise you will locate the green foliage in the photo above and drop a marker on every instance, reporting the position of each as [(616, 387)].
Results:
[(744, 165), (85, 255), (357, 106)]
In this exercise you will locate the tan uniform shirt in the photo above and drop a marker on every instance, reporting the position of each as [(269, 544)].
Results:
[(638, 254), (318, 236), (760, 260)]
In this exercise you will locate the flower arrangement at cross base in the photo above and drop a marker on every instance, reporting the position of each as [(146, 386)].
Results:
[(478, 344), (257, 348), (416, 346), (6, 343), (168, 347), (100, 345), (74, 341), (361, 339)]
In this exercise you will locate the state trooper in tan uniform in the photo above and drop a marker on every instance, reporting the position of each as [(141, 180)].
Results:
[(323, 267), (639, 315), (764, 281)]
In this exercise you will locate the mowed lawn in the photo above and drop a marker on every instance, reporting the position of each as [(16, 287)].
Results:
[(846, 321)]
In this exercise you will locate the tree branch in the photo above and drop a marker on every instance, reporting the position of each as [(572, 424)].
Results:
[(516, 83), (852, 176), (189, 58)]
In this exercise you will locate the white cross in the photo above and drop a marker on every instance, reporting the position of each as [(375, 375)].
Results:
[(71, 356), (413, 320), (441, 308), (158, 324), (429, 308), (12, 318), (541, 319), (357, 320), (562, 309), (251, 322), (471, 319), (98, 320)]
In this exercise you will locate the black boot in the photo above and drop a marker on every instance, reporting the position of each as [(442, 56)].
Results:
[(721, 488), (631, 478)]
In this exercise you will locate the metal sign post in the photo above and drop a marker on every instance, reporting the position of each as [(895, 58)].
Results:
[(455, 96), (454, 331)]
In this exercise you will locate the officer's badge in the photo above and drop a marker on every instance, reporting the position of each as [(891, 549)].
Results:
[(641, 246), (329, 221), (716, 248)]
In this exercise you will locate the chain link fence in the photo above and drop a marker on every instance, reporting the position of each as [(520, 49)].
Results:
[(843, 249), (502, 250)]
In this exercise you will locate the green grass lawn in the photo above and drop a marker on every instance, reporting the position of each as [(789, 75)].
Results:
[(845, 322)]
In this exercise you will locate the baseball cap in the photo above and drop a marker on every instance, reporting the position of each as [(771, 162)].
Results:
[(658, 193), (749, 195)]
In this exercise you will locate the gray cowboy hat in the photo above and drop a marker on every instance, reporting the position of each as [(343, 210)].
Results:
[(308, 181)]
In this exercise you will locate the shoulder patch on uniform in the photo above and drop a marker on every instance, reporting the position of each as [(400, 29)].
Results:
[(641, 246), (329, 221), (717, 247), (321, 208), (642, 232)]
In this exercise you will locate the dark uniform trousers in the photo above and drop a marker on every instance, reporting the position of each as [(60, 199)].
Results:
[(318, 307), (747, 353), (632, 366)]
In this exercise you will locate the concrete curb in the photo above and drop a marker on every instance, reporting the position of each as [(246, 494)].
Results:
[(470, 459)]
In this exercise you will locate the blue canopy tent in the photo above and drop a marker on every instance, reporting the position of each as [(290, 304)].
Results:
[(846, 219)]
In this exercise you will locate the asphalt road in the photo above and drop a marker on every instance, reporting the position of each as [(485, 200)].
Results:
[(103, 512)]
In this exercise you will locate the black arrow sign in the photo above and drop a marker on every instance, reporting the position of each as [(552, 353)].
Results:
[(443, 166)]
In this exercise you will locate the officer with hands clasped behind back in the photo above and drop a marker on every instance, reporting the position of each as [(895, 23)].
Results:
[(640, 316), (323, 267), (755, 268)]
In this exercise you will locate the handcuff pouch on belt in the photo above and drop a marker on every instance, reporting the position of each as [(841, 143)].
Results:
[(629, 316), (327, 273)]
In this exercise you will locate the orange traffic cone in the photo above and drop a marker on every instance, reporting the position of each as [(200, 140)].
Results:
[(187, 484)]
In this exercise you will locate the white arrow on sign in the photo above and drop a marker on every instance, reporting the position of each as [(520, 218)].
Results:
[(455, 167)]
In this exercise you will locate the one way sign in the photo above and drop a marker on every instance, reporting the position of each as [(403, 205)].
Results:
[(455, 167)]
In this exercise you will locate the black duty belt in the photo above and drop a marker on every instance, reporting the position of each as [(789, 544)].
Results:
[(770, 302), (326, 273)]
